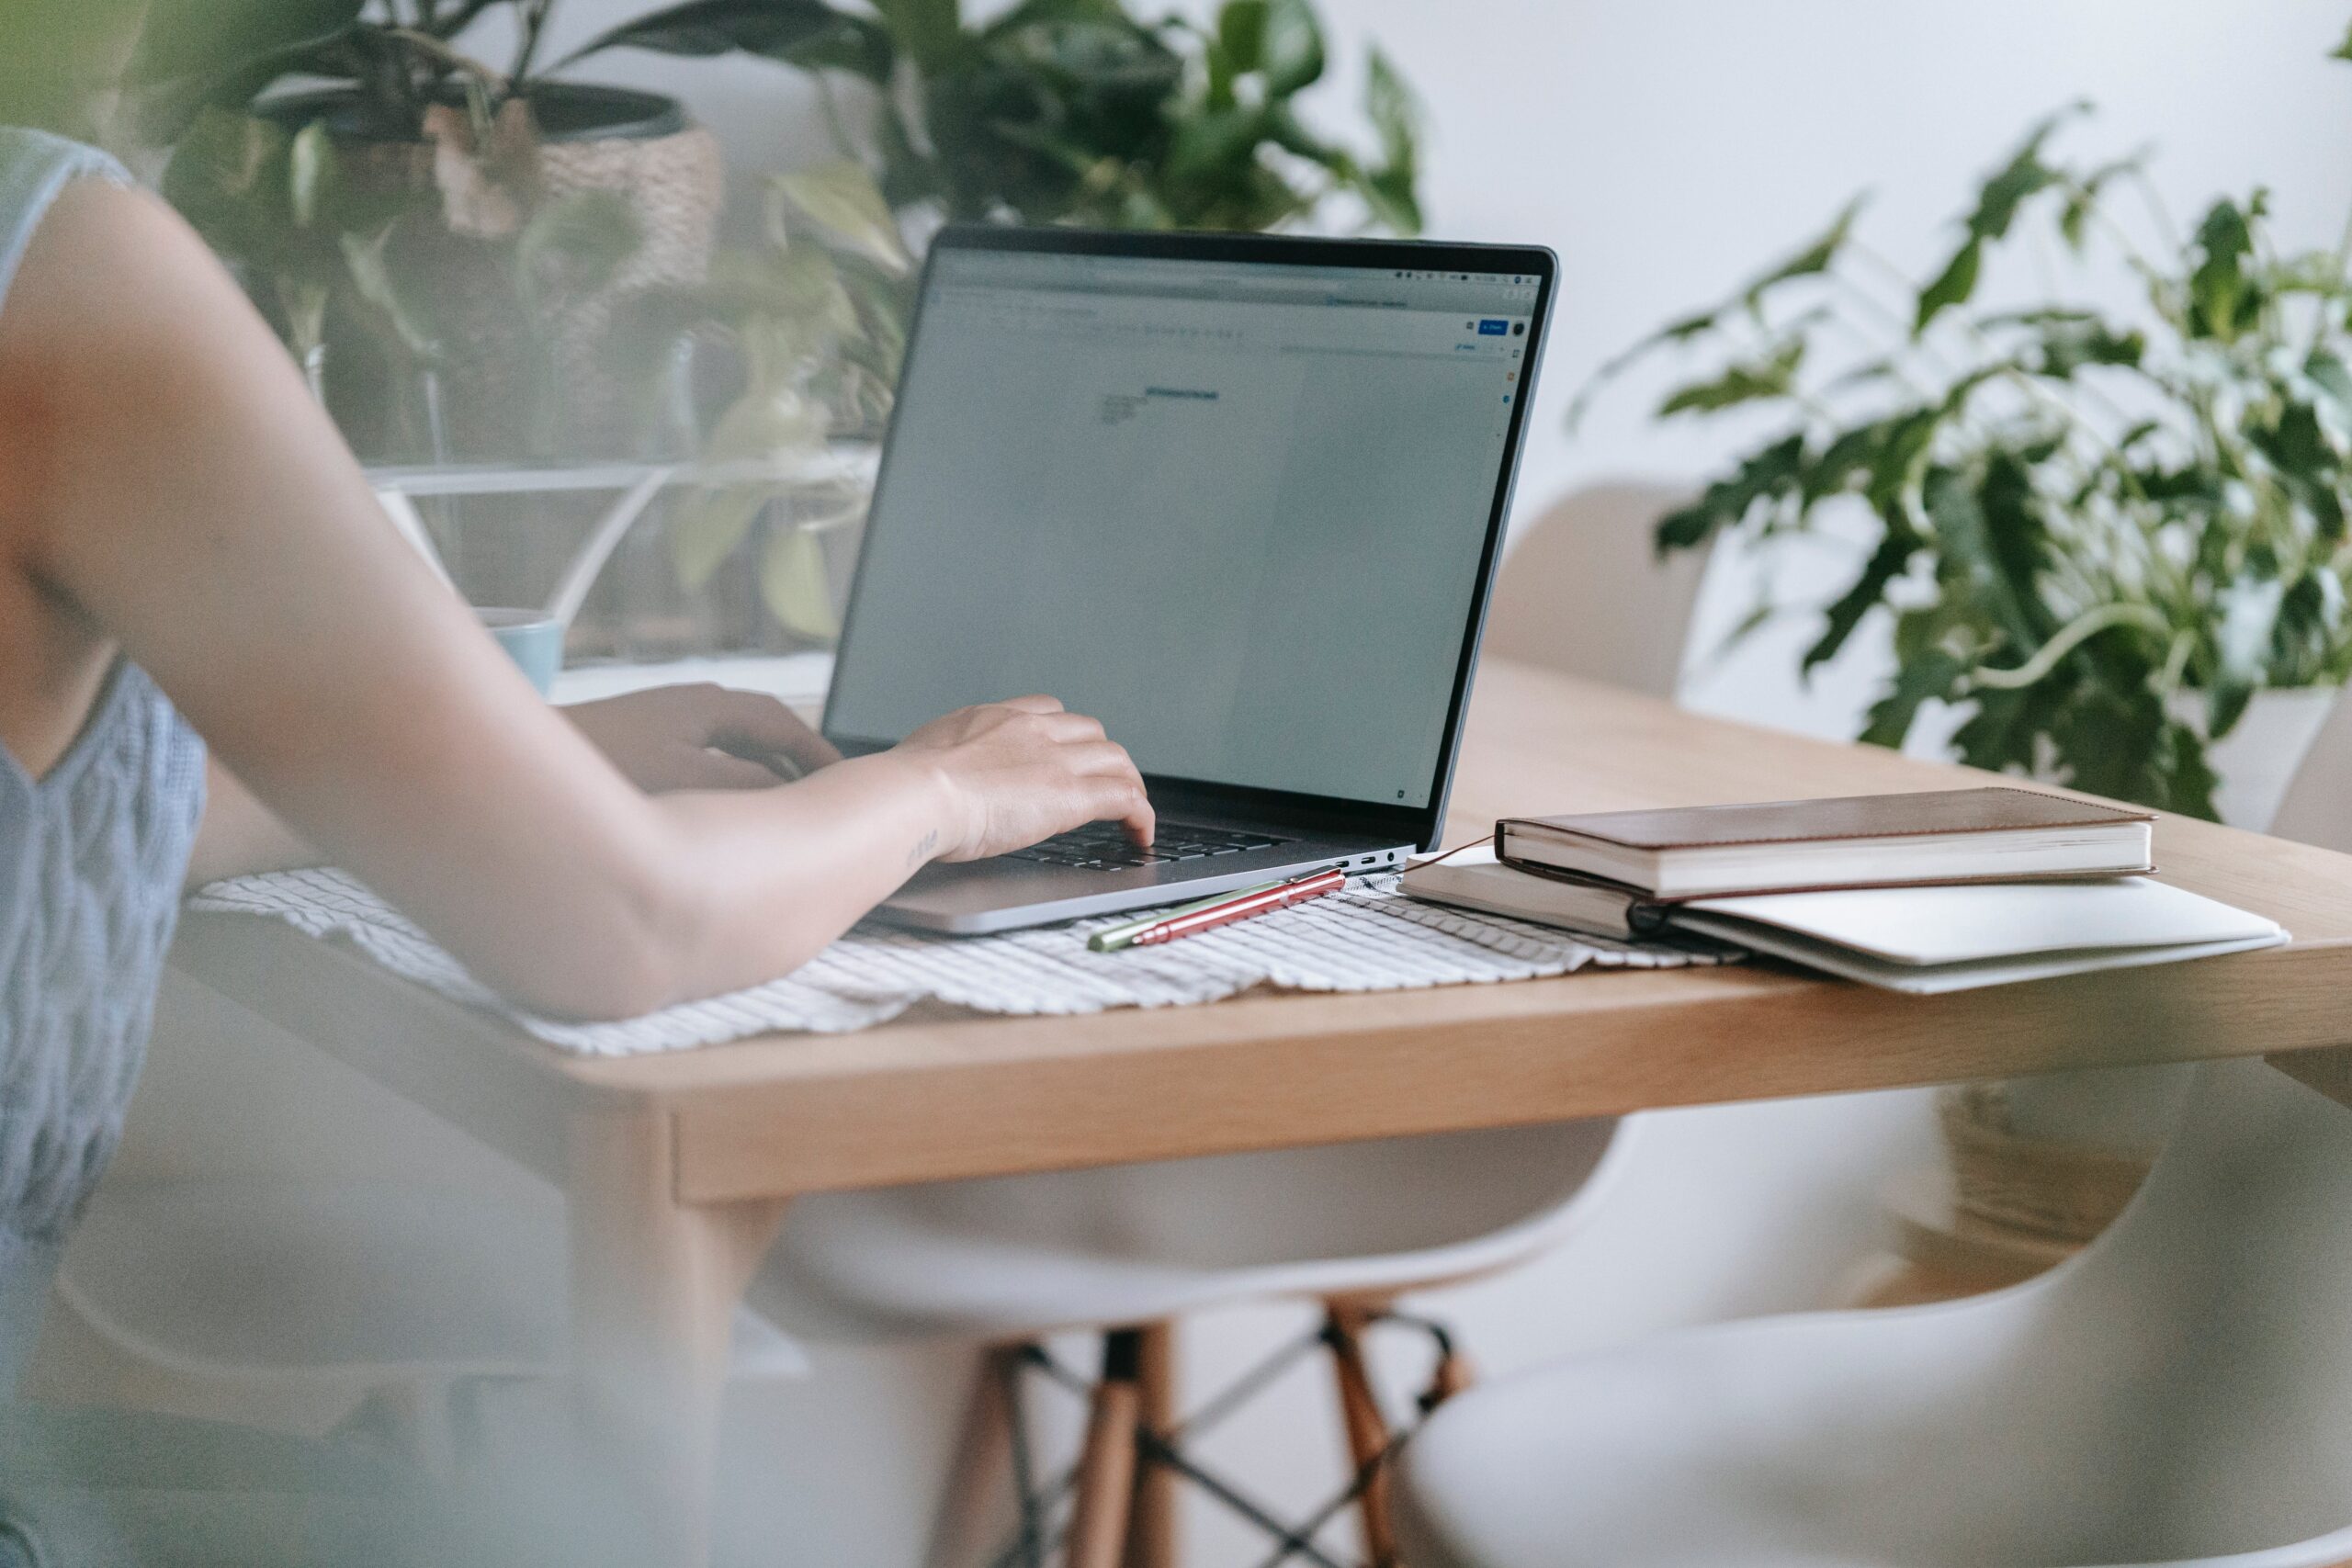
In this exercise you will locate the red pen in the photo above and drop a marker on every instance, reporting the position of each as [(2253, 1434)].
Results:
[(1241, 907)]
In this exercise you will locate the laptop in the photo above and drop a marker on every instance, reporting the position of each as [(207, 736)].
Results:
[(1239, 497)]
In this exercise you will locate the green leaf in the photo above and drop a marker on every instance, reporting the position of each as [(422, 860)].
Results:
[(194, 57), (1879, 453), (2342, 50), (410, 317), (218, 37), (2224, 707), (578, 243), (1815, 258), (1998, 201), (1933, 675), (2082, 196), (928, 31), (1952, 286), (2120, 743), (1208, 144), (2223, 302), (310, 175), (1997, 577), (2005, 732), (1685, 328), (794, 584), (1896, 461), (1887, 563), (2024, 176), (1294, 47), (1241, 34), (226, 178), (304, 303), (2310, 628), (1771, 378), (1772, 474), (807, 33), (705, 531), (843, 200), (1218, 67), (1392, 187), (2017, 540), (2068, 345)]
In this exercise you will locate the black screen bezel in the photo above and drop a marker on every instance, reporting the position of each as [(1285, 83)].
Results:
[(1420, 825)]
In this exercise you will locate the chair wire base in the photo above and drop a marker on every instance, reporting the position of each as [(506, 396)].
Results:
[(1045, 1519)]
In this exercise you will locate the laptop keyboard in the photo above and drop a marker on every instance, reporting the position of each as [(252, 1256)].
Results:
[(1103, 846)]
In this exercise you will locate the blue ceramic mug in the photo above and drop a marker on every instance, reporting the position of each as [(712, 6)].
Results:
[(532, 638)]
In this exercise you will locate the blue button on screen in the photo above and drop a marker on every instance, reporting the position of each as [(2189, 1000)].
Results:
[(1490, 327)]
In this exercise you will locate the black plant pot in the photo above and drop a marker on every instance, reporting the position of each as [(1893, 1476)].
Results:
[(565, 111)]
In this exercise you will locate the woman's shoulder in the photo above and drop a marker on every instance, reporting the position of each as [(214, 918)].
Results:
[(34, 168)]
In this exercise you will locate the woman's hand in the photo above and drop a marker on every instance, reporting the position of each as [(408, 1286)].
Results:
[(1025, 770), (701, 736)]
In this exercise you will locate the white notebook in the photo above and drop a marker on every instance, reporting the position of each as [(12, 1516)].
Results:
[(1927, 939)]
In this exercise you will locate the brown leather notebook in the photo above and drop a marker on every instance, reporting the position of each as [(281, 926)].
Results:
[(1994, 834)]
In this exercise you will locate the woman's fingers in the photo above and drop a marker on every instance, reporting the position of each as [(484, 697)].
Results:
[(1037, 703), (711, 768), (1070, 726), (1115, 792), (1094, 757), (755, 726), (1124, 802)]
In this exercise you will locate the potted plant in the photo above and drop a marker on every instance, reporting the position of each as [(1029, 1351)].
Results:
[(1075, 111), (471, 184), (1056, 111), (2115, 544), (814, 313)]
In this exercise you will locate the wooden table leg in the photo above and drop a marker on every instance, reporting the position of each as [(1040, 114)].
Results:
[(654, 1287), (980, 1478), (1367, 1429), (1151, 1527)]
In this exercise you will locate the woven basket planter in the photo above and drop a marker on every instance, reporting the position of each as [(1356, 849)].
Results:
[(637, 146)]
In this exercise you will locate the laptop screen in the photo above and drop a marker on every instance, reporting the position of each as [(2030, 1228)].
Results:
[(1238, 510)]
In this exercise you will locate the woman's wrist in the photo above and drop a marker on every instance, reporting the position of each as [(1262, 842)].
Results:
[(939, 819)]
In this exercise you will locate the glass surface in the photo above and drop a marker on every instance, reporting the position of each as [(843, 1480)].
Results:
[(1234, 510)]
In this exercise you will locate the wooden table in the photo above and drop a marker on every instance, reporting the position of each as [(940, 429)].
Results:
[(679, 1168)]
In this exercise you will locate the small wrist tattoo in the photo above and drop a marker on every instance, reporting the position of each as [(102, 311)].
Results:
[(923, 848)]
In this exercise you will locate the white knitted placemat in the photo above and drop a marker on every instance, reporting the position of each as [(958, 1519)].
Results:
[(1367, 938)]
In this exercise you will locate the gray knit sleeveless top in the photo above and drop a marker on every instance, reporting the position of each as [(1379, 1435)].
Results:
[(92, 855)]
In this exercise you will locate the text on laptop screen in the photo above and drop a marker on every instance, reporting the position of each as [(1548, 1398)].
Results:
[(1236, 511)]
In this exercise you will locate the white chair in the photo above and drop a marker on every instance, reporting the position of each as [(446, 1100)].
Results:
[(1583, 591), (311, 1307), (1128, 1250), (2317, 807), (2180, 1394), (391, 1306)]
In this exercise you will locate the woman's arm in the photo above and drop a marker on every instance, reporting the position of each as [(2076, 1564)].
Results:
[(663, 739), (177, 483)]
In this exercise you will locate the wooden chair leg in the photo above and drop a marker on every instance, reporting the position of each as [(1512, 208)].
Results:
[(980, 1479), (1367, 1431), (1107, 1473), (1152, 1526)]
